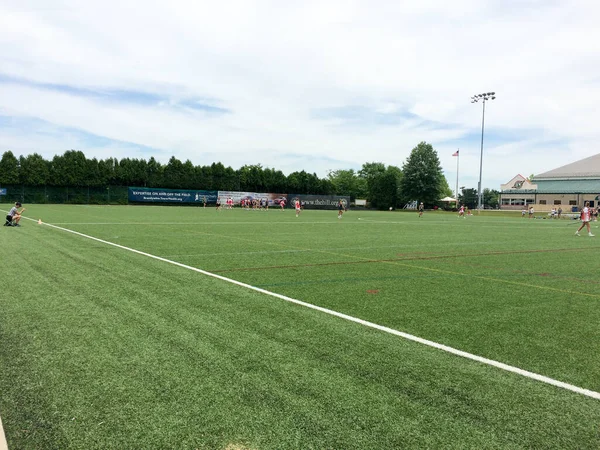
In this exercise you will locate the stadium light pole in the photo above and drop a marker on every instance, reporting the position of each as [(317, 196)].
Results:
[(483, 98)]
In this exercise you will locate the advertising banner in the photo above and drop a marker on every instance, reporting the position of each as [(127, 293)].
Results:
[(3, 191), (273, 199), (157, 195), (319, 201)]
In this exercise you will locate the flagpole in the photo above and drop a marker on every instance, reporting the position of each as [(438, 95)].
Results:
[(457, 158)]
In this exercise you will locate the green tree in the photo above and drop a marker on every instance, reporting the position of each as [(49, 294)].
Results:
[(92, 173), (468, 197), (295, 183), (326, 187), (399, 175), (173, 174), (313, 184), (33, 170), (303, 183), (154, 173), (218, 176), (368, 173), (251, 178), (141, 171), (347, 182), (206, 179), (275, 181), (423, 175), (74, 166), (107, 169), (188, 175), (131, 172), (445, 189), (231, 179), (491, 197), (9, 168), (57, 171), (125, 173), (384, 190)]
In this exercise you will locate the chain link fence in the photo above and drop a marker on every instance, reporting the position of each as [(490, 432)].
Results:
[(83, 195)]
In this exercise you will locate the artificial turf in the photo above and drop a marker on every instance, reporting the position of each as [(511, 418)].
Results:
[(104, 348)]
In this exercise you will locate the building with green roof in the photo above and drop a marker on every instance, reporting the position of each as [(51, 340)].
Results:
[(567, 187)]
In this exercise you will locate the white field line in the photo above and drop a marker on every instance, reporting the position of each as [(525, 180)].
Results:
[(198, 223), (436, 245), (3, 444), (496, 224), (410, 337)]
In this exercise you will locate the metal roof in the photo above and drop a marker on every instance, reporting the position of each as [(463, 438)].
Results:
[(584, 168), (568, 187)]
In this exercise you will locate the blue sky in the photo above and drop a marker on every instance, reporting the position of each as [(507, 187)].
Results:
[(313, 85)]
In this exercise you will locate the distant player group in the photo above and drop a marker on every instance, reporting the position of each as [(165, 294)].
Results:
[(248, 203), (263, 204), (461, 211), (587, 215)]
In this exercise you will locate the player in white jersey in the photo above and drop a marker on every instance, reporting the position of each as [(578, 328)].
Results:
[(298, 206), (585, 219)]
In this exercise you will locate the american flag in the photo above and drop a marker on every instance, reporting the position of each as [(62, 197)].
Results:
[(455, 153)]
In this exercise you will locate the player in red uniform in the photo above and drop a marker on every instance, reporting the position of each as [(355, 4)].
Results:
[(298, 206), (461, 211)]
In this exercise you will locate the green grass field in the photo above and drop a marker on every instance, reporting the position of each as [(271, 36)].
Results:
[(101, 347)]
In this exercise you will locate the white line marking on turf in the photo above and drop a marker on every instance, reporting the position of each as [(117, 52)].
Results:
[(436, 245), (410, 337), (293, 222), (3, 444)]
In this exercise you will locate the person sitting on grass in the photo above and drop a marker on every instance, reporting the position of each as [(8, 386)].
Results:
[(14, 216)]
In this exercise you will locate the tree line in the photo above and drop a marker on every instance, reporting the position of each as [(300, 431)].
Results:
[(420, 178)]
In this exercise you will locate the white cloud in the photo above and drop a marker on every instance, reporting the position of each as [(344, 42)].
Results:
[(274, 63)]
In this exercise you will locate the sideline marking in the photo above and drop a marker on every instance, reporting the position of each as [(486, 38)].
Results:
[(411, 258), (410, 337), (3, 444), (196, 223)]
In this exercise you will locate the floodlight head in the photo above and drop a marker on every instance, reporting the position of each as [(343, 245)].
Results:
[(493, 98)]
